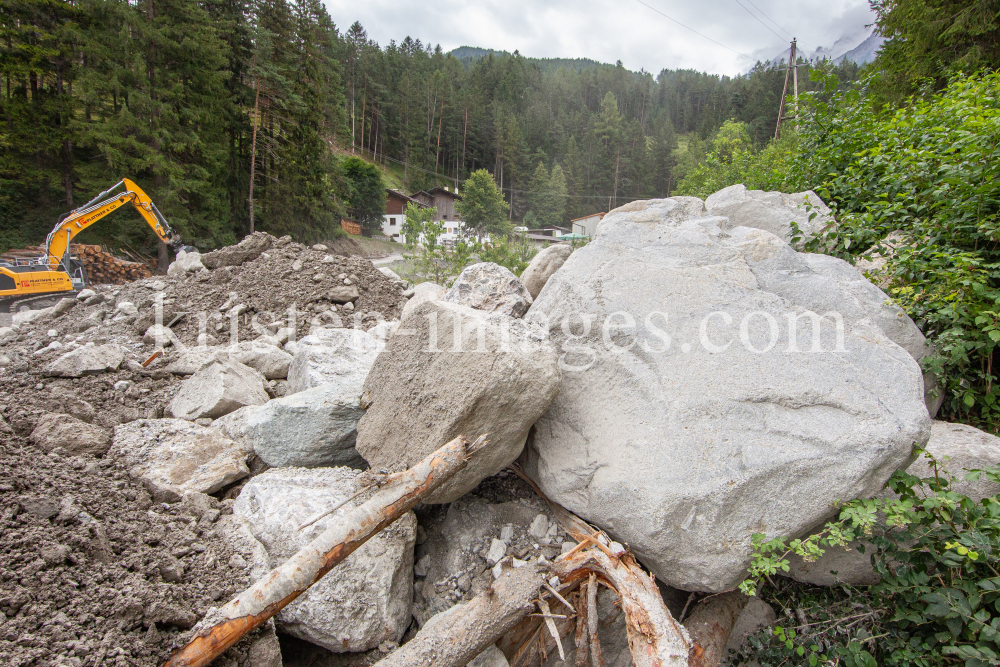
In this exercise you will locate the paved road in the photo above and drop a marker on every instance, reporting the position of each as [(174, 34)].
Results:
[(385, 261)]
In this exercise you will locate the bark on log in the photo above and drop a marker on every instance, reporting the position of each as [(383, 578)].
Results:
[(710, 625), (453, 638), (223, 627), (654, 637)]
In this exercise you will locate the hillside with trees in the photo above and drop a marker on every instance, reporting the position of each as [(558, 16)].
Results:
[(184, 96)]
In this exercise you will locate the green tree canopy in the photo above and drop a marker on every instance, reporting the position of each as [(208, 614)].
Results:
[(934, 39), (366, 191), (483, 208)]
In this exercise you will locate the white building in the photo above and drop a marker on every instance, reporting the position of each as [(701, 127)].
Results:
[(587, 225)]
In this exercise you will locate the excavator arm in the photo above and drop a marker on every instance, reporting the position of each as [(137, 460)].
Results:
[(58, 240)]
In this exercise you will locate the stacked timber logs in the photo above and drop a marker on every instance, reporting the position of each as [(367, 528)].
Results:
[(102, 267)]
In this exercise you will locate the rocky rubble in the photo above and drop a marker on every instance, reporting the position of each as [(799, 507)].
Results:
[(684, 380)]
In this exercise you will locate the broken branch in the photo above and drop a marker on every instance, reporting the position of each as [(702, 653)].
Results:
[(454, 637), (223, 627)]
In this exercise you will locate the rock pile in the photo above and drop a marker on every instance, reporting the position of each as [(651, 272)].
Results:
[(683, 381)]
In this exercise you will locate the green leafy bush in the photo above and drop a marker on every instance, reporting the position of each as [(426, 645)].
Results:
[(937, 553), (929, 171), (733, 159)]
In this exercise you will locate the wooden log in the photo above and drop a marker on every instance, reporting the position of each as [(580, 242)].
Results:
[(710, 625), (453, 638), (223, 627), (654, 637)]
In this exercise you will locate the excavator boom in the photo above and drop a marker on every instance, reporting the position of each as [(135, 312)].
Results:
[(58, 240)]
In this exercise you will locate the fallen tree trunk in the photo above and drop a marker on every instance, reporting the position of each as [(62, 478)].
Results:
[(710, 625), (454, 637), (223, 627)]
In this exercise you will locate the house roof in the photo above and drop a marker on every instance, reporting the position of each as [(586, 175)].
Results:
[(438, 191), (600, 215), (404, 197)]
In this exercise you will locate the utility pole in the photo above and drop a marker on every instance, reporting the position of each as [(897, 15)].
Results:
[(784, 91)]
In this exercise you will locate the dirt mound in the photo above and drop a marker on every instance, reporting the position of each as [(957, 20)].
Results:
[(91, 572)]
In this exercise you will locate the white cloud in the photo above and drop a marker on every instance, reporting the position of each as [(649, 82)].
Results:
[(608, 30)]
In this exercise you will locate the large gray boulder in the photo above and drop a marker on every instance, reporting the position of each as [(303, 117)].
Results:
[(490, 287), (269, 360), (366, 600), (249, 248), (338, 356), (171, 456), (688, 417), (311, 428), (64, 431), (822, 283), (459, 371), (771, 211), (421, 292), (191, 359), (958, 448), (184, 263), (87, 360), (543, 265), (218, 389)]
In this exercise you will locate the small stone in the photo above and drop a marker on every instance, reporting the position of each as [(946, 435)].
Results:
[(319, 247), (539, 527), (237, 561), (171, 570), (51, 333), (347, 281), (85, 294), (327, 259), (420, 569), (203, 421), (122, 385), (567, 547), (507, 533), (498, 549), (297, 265), (318, 278), (349, 307)]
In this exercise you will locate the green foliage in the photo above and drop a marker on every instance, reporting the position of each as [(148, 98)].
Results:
[(932, 40), (417, 220), (366, 191), (547, 198), (482, 208), (937, 553), (732, 158), (508, 251), (930, 172)]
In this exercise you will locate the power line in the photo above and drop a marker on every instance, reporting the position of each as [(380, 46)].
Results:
[(694, 31), (770, 19), (758, 20)]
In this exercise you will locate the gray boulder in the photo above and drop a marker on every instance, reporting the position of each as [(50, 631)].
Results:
[(390, 274), (423, 391), (171, 456), (269, 360), (771, 211), (28, 316), (74, 435), (184, 263), (218, 389), (690, 394), (342, 356), (249, 248), (344, 294), (422, 292), (311, 428), (367, 600), (87, 360), (189, 360), (543, 265), (490, 287), (821, 284)]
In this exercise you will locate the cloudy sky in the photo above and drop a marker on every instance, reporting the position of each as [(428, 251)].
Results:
[(628, 30)]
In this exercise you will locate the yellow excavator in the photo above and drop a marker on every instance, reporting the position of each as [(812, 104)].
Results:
[(34, 282)]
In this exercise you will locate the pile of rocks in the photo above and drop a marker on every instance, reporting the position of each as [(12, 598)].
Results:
[(683, 381)]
